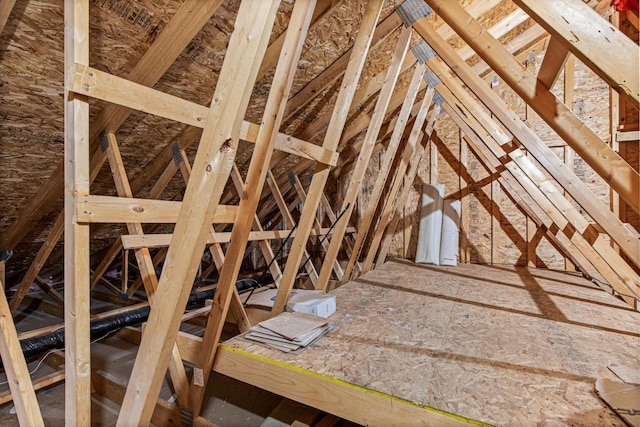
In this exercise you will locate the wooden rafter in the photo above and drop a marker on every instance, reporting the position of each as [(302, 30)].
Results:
[(543, 154), (394, 143), (552, 64), (602, 47), (186, 23), (288, 220), (365, 151), (410, 150), (256, 175), (620, 276), (16, 370), (587, 144), (331, 140), (211, 170)]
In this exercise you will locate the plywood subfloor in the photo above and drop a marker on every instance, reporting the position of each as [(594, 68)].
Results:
[(502, 345)]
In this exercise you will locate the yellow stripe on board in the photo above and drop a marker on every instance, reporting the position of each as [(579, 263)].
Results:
[(354, 386)]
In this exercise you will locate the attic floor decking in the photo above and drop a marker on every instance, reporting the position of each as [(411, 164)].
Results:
[(497, 344)]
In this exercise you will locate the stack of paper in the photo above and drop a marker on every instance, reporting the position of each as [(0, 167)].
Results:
[(289, 332)]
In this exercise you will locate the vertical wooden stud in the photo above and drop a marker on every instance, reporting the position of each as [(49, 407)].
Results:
[(76, 235)]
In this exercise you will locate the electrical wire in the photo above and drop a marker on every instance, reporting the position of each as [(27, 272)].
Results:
[(43, 358)]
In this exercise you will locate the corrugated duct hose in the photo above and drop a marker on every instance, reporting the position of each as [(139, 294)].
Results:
[(34, 346)]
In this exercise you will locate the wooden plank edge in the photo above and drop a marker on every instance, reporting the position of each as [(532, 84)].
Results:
[(360, 404), (38, 384), (164, 414), (122, 92)]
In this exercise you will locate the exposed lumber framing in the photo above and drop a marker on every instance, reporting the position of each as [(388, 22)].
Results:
[(16, 370), (302, 196), (108, 209), (76, 234), (366, 149), (331, 140), (409, 151), (37, 263), (146, 267), (374, 85), (288, 220), (463, 179), (601, 46), (568, 153), (385, 167), (164, 240), (265, 246), (537, 216), (619, 275), (530, 199), (398, 127), (554, 60), (187, 22), (407, 186), (116, 90), (565, 177), (522, 41), (116, 247), (322, 9), (236, 307), (337, 69), (211, 170), (584, 141), (338, 397), (258, 168)]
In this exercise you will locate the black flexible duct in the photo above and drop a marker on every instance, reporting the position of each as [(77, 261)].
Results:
[(99, 328)]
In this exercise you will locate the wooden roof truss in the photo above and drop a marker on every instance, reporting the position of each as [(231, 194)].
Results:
[(402, 121)]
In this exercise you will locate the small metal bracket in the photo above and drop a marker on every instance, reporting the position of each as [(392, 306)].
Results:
[(177, 153), (438, 99), (412, 10), (5, 254), (104, 141), (431, 79), (292, 178), (186, 417), (423, 52)]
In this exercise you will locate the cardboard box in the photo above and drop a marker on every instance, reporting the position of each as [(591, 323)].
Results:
[(317, 303)]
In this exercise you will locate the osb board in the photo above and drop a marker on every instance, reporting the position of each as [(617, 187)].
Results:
[(502, 345)]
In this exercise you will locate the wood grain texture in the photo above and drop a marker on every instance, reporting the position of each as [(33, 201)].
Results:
[(498, 344)]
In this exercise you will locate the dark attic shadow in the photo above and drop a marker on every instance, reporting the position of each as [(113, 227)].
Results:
[(454, 272)]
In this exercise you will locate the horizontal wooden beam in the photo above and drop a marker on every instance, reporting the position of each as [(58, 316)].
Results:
[(174, 38), (94, 209), (355, 403), (162, 240), (38, 384), (116, 90)]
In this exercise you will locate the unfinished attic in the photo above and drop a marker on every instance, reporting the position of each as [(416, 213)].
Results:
[(319, 212)]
